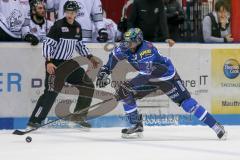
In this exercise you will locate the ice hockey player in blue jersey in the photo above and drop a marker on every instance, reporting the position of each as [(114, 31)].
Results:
[(155, 70)]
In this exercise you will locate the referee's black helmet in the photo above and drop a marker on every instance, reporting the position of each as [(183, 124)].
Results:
[(71, 6)]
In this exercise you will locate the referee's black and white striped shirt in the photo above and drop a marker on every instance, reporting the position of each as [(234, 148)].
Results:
[(62, 40)]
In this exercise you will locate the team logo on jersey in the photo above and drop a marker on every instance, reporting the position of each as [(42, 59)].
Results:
[(145, 53), (15, 20), (64, 29), (33, 30), (78, 30)]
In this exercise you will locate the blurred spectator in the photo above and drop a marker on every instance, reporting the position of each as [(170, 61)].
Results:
[(49, 6), (12, 16), (150, 17), (122, 25), (114, 35), (90, 11), (50, 9), (216, 25), (35, 29), (175, 17)]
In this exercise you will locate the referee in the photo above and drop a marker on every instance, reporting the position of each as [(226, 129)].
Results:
[(64, 37)]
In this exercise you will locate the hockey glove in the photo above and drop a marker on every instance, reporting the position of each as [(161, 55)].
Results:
[(32, 39), (122, 25), (103, 35), (102, 77)]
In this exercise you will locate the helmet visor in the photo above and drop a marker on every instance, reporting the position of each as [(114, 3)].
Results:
[(125, 45)]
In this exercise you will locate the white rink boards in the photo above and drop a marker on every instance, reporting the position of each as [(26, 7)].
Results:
[(22, 79)]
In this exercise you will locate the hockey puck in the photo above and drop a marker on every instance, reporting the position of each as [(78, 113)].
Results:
[(28, 139)]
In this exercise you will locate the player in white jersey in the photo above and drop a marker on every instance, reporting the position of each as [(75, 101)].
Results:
[(12, 15), (114, 35), (90, 11), (35, 29)]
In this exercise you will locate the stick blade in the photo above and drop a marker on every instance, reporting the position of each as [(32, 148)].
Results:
[(18, 132)]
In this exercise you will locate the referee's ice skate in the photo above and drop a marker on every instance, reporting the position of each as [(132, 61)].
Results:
[(80, 120)]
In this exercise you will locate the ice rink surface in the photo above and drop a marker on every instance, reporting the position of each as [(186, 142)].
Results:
[(158, 143)]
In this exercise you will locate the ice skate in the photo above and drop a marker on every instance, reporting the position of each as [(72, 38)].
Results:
[(134, 132), (80, 121), (84, 123), (220, 131)]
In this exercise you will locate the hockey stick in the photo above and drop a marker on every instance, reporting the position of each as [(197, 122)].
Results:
[(18, 132)]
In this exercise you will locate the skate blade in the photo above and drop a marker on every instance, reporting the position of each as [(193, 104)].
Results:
[(84, 129), (224, 137), (133, 135)]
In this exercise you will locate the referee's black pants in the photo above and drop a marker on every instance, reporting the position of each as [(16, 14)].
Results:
[(47, 99)]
